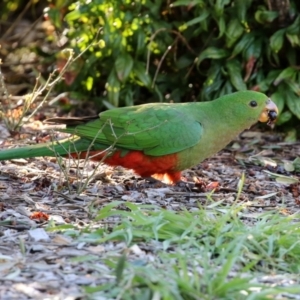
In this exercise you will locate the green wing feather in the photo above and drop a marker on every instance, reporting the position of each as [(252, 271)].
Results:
[(156, 129)]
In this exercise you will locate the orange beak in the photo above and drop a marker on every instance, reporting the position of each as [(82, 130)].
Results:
[(270, 113)]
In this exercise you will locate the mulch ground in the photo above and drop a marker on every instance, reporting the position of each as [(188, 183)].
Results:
[(35, 192)]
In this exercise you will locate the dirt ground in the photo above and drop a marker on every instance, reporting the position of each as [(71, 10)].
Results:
[(35, 193)]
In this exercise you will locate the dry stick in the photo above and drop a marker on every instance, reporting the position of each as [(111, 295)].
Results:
[(14, 124), (58, 97), (29, 100), (59, 159), (70, 60), (49, 85), (89, 46), (179, 35), (196, 59), (161, 61), (149, 52), (107, 151)]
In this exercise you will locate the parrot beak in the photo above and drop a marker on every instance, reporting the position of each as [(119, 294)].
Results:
[(270, 113)]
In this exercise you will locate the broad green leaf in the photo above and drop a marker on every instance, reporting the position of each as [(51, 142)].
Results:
[(294, 86), (213, 81), (288, 166), (219, 7), (275, 58), (211, 86), (293, 103), (123, 66), (272, 75), (289, 72), (278, 98), (129, 97), (233, 31), (234, 71), (222, 26), (139, 70), (203, 16), (242, 44), (226, 89), (183, 62), (55, 16), (295, 27), (284, 117), (276, 40), (159, 94), (294, 39), (241, 8), (296, 164), (212, 53), (113, 87), (141, 45), (282, 178), (286, 180), (254, 49), (73, 15), (265, 16)]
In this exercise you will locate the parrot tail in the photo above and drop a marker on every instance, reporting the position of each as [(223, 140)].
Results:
[(57, 148)]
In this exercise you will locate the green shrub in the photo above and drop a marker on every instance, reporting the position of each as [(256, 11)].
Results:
[(145, 51)]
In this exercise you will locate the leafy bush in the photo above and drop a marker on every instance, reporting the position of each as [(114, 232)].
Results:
[(142, 51)]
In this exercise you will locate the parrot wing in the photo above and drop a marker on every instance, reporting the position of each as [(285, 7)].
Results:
[(154, 129)]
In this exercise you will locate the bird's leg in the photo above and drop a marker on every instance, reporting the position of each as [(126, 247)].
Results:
[(189, 186)]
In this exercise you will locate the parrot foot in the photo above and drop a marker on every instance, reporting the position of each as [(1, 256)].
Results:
[(155, 182), (188, 186)]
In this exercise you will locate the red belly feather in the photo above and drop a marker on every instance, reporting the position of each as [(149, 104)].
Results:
[(161, 168)]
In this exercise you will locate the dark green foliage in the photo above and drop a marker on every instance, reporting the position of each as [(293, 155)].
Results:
[(145, 51)]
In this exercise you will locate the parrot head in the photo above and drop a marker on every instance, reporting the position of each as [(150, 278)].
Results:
[(252, 106)]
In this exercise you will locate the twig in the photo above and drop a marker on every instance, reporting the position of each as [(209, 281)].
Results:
[(172, 31), (161, 61)]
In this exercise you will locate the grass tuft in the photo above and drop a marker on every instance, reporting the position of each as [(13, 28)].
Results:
[(206, 254)]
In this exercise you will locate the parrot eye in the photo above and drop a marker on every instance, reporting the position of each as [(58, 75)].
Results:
[(253, 103)]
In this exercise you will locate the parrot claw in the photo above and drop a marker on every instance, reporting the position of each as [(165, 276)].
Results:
[(156, 183)]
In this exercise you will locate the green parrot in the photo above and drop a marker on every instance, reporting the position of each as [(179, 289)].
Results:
[(156, 139)]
